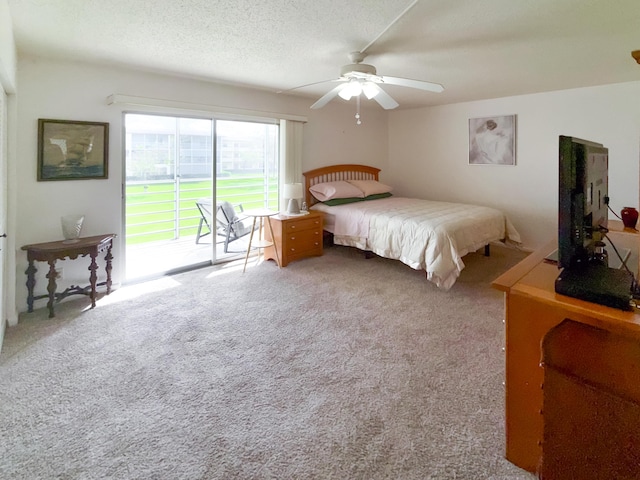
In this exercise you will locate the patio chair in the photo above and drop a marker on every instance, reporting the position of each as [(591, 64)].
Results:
[(206, 216), (228, 224)]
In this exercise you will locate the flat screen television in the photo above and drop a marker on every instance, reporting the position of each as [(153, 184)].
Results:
[(582, 226), (583, 200)]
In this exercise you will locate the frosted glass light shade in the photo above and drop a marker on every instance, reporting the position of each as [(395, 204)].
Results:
[(370, 89), (71, 227), (353, 89), (293, 191)]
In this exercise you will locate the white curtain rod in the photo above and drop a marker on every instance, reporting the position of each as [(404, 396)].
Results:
[(119, 99)]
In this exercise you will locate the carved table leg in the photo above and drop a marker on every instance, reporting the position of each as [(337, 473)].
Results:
[(108, 258), (93, 278), (51, 287), (31, 283)]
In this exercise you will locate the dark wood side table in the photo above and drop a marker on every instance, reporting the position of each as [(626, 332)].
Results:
[(50, 252)]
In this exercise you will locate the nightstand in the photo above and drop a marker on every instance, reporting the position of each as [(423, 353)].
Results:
[(296, 237)]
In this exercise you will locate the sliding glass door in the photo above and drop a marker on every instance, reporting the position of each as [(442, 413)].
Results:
[(247, 163), (169, 165), (172, 220)]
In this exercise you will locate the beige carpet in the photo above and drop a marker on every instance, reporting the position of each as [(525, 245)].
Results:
[(335, 367)]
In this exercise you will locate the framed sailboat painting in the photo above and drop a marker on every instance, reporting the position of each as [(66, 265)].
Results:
[(72, 150)]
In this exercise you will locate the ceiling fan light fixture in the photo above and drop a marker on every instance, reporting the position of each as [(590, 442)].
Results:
[(353, 89), (370, 89)]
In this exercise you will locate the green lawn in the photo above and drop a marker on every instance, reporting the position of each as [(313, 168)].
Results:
[(150, 208)]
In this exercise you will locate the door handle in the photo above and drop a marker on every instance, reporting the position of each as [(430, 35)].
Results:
[(4, 235)]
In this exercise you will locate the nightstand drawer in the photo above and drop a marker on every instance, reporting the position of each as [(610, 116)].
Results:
[(303, 224), (302, 241)]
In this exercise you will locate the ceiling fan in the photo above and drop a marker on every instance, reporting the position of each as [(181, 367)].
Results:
[(360, 78)]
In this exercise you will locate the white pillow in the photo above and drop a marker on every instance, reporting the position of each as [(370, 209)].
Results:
[(370, 187), (339, 189)]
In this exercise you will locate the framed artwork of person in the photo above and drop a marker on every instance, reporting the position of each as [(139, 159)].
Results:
[(492, 140)]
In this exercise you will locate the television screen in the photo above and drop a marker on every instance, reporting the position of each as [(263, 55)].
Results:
[(583, 199), (582, 223)]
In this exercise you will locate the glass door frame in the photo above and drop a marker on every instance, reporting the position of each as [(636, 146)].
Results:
[(176, 182), (272, 188)]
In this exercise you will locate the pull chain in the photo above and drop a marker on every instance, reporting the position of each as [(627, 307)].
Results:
[(358, 121)]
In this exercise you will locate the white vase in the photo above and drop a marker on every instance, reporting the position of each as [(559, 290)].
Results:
[(71, 227)]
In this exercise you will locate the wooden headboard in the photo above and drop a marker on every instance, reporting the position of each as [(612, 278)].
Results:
[(334, 173)]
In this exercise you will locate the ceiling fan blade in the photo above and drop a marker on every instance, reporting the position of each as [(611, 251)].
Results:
[(327, 97), (385, 100), (407, 82), (311, 84)]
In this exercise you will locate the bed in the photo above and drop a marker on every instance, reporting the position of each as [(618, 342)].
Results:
[(423, 234)]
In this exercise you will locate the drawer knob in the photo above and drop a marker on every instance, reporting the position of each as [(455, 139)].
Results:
[(293, 226), (293, 249), (293, 238)]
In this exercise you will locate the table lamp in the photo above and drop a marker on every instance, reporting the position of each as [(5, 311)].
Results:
[(292, 192)]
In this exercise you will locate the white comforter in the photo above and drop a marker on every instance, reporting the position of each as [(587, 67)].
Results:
[(432, 236)]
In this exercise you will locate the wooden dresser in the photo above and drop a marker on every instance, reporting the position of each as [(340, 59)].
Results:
[(533, 309), (295, 237)]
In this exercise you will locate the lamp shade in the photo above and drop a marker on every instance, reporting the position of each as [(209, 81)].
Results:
[(370, 89), (292, 190), (353, 89)]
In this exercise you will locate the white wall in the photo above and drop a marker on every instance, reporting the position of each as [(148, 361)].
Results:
[(428, 152), (8, 67), (8, 56), (79, 92)]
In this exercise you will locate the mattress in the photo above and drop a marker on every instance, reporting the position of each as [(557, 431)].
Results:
[(423, 234)]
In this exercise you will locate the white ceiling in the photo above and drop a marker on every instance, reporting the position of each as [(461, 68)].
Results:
[(476, 49)]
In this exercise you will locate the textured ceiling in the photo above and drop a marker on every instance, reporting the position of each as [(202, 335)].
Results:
[(476, 49)]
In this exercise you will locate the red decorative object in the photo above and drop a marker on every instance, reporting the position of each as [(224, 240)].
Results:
[(629, 217)]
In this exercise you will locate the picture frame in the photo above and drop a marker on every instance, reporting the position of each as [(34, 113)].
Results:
[(492, 140), (72, 150)]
